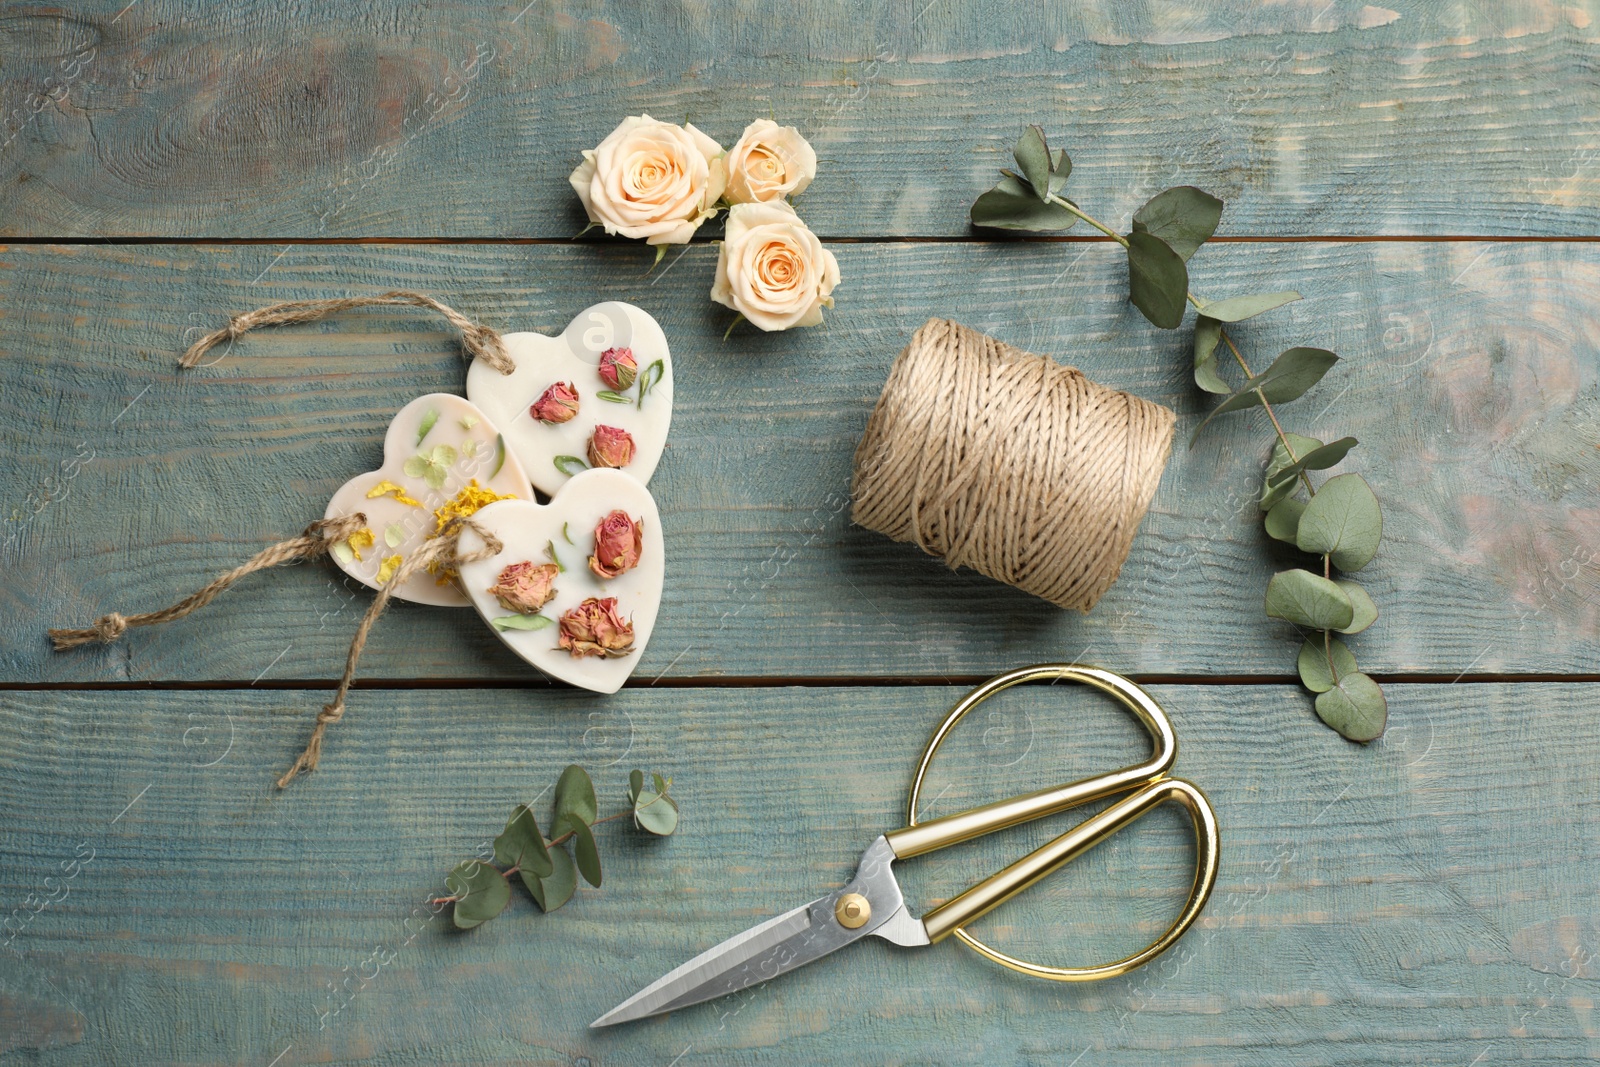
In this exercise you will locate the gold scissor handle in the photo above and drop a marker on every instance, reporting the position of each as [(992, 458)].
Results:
[(1153, 789)]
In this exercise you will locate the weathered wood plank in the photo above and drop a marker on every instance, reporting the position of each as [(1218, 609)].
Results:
[(1426, 900), (1469, 376), (452, 119)]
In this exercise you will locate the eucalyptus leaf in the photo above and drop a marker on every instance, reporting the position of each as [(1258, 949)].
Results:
[(522, 622), (657, 813), (1033, 159), (1273, 495), (1307, 599), (660, 783), (1343, 522), (1355, 707), (1183, 217), (1318, 459), (1060, 168), (1290, 375), (584, 848), (521, 844), (1313, 663), (1158, 282), (556, 888), (575, 796), (1284, 518), (1011, 205), (481, 892), (1239, 308), (1366, 612), (1207, 334), (635, 786), (1280, 459)]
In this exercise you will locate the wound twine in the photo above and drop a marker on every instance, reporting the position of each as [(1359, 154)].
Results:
[(989, 457), (479, 341)]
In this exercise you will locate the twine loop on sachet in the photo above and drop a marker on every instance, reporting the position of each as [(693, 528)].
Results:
[(479, 341), (989, 457)]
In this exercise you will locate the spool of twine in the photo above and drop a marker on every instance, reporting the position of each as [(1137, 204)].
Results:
[(1009, 463)]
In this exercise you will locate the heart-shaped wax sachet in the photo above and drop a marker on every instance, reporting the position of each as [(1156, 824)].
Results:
[(576, 587), (599, 395), (442, 457)]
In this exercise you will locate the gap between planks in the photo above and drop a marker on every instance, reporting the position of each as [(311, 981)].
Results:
[(1464, 238)]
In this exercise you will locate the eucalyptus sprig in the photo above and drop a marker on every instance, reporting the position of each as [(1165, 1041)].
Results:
[(480, 890), (1339, 520)]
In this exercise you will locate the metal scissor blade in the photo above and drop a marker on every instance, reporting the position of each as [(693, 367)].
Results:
[(779, 945)]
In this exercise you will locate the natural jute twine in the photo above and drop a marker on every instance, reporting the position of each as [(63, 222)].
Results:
[(479, 341), (1007, 462)]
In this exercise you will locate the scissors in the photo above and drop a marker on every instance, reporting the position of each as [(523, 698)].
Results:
[(872, 903)]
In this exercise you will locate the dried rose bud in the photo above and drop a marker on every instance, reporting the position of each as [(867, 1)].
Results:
[(526, 587), (594, 628), (617, 368), (556, 404), (618, 541), (610, 447)]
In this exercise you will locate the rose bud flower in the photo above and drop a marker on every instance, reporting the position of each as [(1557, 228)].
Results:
[(556, 404), (594, 628), (610, 446), (618, 542), (618, 368), (526, 587)]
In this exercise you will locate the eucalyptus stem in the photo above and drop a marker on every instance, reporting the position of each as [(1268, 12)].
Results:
[(1090, 219)]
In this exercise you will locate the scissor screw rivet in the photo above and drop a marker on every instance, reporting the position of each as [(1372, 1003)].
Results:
[(852, 911)]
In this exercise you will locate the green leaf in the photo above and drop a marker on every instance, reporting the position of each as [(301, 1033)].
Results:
[(570, 465), (1366, 612), (1313, 663), (1060, 168), (1279, 458), (1290, 375), (1183, 217), (416, 467), (1207, 334), (660, 783), (583, 847), (653, 373), (661, 253), (656, 813), (1343, 522), (1158, 282), (1355, 707), (635, 785), (1011, 205), (521, 845), (1239, 308), (499, 454), (575, 795), (482, 890), (1033, 159), (565, 536), (429, 417), (1318, 459), (555, 889), (1308, 600), (443, 455), (393, 534), (1284, 518), (550, 550), (522, 622), (343, 552), (467, 423), (612, 397)]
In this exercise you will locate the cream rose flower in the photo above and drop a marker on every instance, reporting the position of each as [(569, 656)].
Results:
[(769, 162), (652, 180), (772, 269)]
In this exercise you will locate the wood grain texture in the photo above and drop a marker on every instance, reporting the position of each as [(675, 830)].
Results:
[(1469, 377), (189, 118), (1419, 901)]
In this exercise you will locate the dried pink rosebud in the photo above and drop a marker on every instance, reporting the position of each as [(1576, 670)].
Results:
[(594, 628), (618, 541), (526, 587), (610, 446), (556, 404), (617, 368)]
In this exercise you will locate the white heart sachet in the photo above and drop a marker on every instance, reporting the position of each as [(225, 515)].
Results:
[(513, 591), (441, 456), (551, 451)]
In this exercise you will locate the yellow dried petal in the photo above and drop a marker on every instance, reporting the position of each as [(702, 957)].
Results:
[(386, 487), (467, 502), (387, 568), (362, 538)]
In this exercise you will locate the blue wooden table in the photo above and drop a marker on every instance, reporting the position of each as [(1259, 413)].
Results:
[(1427, 175)]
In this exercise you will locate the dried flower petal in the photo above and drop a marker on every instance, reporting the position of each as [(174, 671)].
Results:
[(557, 404), (526, 587), (618, 543), (618, 368), (594, 628), (387, 568), (362, 538), (384, 488), (610, 446)]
